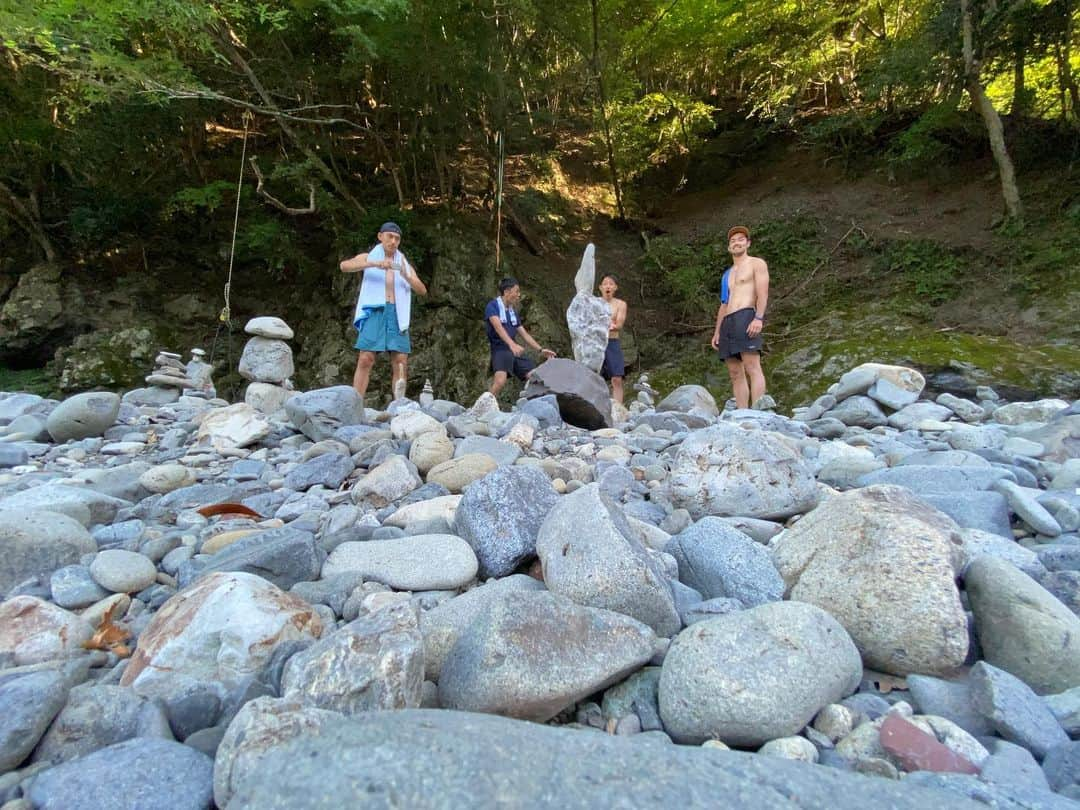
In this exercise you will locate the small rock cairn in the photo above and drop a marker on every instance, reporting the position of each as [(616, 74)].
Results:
[(267, 361)]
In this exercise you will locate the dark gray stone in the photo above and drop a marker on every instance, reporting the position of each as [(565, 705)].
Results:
[(329, 470), (987, 511), (28, 705), (582, 394), (36, 543), (12, 455), (283, 556), (1015, 712), (545, 409), (193, 497), (367, 759), (1012, 765), (500, 517), (319, 413), (720, 561), (72, 587), (1002, 797), (144, 774), (949, 699)]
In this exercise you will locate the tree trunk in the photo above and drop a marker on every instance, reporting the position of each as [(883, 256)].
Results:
[(603, 112), (1020, 101), (27, 219), (990, 117)]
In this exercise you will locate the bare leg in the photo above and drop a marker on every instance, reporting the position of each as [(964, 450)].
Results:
[(364, 362), (616, 389), (399, 364), (752, 364), (738, 382), (498, 382)]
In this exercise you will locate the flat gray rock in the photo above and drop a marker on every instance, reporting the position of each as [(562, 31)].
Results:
[(350, 760), (423, 562), (28, 705), (148, 774), (1015, 712), (123, 571), (317, 414), (73, 588), (329, 470), (572, 652), (36, 543), (718, 560), (504, 453), (1028, 509), (282, 556), (936, 479), (985, 511), (949, 699)]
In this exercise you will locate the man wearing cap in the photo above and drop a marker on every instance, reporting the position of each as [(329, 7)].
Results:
[(503, 326), (744, 294), (383, 309)]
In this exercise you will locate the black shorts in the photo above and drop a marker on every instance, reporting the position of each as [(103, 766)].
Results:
[(733, 339), (503, 360), (614, 363)]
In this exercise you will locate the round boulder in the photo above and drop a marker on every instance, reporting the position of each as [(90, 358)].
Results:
[(750, 677), (36, 543), (83, 416), (122, 571)]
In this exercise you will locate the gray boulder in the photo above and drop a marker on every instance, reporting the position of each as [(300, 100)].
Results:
[(500, 515), (935, 479), (688, 398), (443, 625), (984, 511), (1066, 708), (148, 774), (726, 470), (81, 503), (317, 414), (1022, 628), (28, 705), (374, 663), (359, 760), (36, 543), (282, 556), (750, 677), (591, 555), (718, 560), (572, 651), (582, 394), (329, 470), (83, 416), (949, 699), (881, 562), (1015, 712), (423, 562), (858, 411), (97, 716), (504, 453), (266, 360)]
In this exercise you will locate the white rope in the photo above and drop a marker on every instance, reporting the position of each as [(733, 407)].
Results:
[(226, 312)]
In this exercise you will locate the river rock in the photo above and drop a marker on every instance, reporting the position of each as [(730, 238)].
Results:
[(441, 507), (504, 453), (858, 411), (235, 426), (981, 511), (83, 415), (1022, 628), (152, 774), (882, 563), (348, 759), (217, 637), (32, 631), (411, 424), (749, 677), (266, 360), (430, 449), (424, 562), (373, 663), (122, 571), (1015, 712), (688, 398), (167, 477), (719, 561), (1028, 509), (269, 326), (490, 670), (860, 379), (443, 625), (588, 318), (582, 394), (500, 517), (949, 699), (267, 398), (28, 704), (394, 478), (317, 414), (1016, 413), (591, 555), (910, 415), (328, 470), (458, 473), (727, 470), (283, 556), (72, 587), (36, 543), (99, 715)]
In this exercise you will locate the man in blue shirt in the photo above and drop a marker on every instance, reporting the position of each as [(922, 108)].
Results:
[(503, 326)]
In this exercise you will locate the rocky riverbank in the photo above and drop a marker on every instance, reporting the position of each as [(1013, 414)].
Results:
[(876, 600)]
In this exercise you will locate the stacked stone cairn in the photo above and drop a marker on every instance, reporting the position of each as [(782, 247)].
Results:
[(534, 614), (267, 361), (169, 372)]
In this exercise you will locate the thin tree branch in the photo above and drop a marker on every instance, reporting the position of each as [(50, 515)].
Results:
[(276, 203)]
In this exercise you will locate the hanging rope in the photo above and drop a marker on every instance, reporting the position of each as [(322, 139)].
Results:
[(498, 202), (225, 311)]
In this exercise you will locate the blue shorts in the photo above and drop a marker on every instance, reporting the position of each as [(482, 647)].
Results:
[(379, 332), (614, 364), (502, 359)]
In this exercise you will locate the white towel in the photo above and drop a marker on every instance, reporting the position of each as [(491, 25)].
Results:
[(504, 317), (373, 288)]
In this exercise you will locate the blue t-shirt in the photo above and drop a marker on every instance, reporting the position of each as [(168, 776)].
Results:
[(509, 321), (725, 286)]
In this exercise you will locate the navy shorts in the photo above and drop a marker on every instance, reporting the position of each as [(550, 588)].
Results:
[(733, 339), (504, 360), (614, 364)]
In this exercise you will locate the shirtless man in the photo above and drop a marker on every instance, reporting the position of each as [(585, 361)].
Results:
[(383, 311), (614, 367), (744, 294)]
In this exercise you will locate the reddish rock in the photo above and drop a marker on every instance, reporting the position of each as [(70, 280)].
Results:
[(35, 630), (918, 751)]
